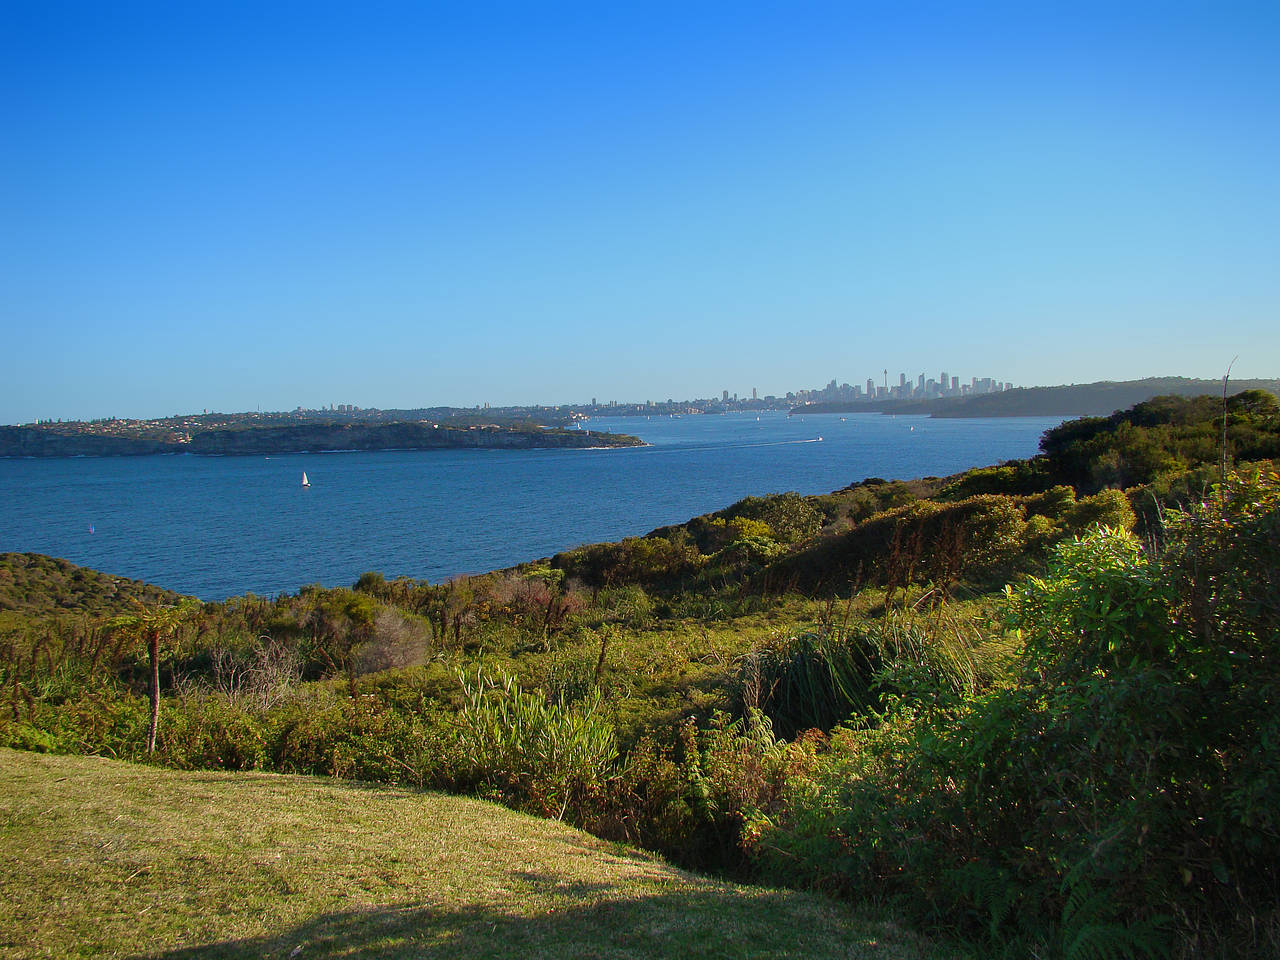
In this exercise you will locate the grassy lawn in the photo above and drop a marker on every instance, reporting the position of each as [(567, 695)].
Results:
[(106, 859)]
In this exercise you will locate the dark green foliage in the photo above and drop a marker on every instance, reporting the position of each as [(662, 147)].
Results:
[(113, 726), (363, 740), (814, 680), (791, 517), (1109, 508), (1052, 504), (821, 678), (923, 541), (372, 582), (1121, 797), (211, 733), (859, 501), (1224, 560), (649, 560), (695, 799), (32, 584), (1013, 478), (742, 558), (783, 517), (1164, 435)]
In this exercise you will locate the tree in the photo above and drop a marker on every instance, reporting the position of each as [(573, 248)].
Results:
[(153, 624)]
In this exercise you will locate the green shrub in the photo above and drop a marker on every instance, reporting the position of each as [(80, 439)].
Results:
[(812, 680), (364, 740), (1121, 797), (1052, 503), (740, 558), (1110, 508), (209, 733), (1161, 437), (923, 541), (785, 517), (694, 799), (635, 560), (108, 725), (717, 532), (1009, 479), (20, 735), (530, 752)]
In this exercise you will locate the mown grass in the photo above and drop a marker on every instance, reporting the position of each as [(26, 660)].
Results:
[(108, 859)]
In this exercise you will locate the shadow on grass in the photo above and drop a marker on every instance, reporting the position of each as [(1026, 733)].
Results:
[(546, 918)]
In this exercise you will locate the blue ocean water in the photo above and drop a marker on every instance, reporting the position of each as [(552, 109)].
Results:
[(217, 527)]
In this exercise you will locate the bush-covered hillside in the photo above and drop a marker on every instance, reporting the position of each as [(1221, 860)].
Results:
[(835, 690), (35, 585)]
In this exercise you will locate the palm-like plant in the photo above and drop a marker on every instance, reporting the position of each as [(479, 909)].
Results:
[(153, 624)]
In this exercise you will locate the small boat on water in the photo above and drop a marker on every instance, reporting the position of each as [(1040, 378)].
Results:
[(305, 481)]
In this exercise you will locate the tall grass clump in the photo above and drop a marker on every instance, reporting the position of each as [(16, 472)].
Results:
[(823, 677), (532, 752)]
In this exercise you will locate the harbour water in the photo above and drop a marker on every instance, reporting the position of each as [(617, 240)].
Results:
[(217, 527)]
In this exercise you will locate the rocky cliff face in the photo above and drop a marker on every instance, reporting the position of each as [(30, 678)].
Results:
[(33, 442), (37, 442)]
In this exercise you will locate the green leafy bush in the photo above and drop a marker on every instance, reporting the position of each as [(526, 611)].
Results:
[(1016, 477), (92, 723), (1163, 436), (1109, 508), (635, 560), (363, 740), (920, 542), (1121, 797), (696, 798), (210, 733)]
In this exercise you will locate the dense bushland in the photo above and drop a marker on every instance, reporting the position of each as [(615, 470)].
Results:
[(1118, 794), (35, 585), (832, 690), (1161, 436)]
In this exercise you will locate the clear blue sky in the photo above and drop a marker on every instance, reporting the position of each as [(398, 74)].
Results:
[(230, 206)]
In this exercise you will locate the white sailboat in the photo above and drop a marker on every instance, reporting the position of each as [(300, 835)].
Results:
[(305, 481)]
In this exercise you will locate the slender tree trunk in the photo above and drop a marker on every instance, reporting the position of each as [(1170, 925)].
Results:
[(153, 652), (1222, 474)]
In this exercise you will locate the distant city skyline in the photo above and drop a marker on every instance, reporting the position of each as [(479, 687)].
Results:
[(259, 206), (922, 388)]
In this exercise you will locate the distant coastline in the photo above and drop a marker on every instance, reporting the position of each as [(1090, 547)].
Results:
[(63, 440), (1098, 399)]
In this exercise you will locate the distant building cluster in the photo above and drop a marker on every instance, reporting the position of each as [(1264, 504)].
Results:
[(346, 408), (921, 388)]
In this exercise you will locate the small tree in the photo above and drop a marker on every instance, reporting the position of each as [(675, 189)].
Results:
[(153, 624)]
